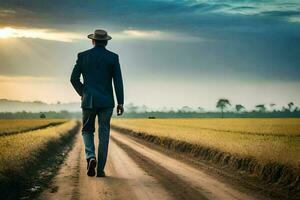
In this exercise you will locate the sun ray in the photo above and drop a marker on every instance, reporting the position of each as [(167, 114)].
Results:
[(45, 34)]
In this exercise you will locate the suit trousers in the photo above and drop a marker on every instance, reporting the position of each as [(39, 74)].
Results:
[(88, 129)]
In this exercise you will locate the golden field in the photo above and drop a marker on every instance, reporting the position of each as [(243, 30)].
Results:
[(17, 150), (262, 139), (11, 126)]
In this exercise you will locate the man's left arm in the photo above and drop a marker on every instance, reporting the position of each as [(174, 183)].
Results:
[(118, 85), (75, 77)]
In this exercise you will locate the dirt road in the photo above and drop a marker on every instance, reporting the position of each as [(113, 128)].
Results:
[(135, 171)]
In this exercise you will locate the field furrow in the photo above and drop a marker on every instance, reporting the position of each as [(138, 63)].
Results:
[(22, 155), (13, 126), (266, 156)]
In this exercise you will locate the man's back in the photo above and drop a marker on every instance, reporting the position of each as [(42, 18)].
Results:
[(98, 67)]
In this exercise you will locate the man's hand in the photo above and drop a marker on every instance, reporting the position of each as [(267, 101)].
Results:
[(120, 109)]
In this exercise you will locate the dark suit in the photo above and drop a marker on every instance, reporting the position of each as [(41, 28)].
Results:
[(98, 67)]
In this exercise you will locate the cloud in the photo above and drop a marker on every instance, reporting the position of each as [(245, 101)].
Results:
[(188, 17), (247, 39), (294, 19), (277, 13), (253, 40), (153, 35), (45, 34), (7, 13), (277, 9)]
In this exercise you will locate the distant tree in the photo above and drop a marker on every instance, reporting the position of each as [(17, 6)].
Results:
[(200, 109), (239, 107), (272, 105), (290, 105), (65, 113), (222, 104), (38, 102), (172, 110), (165, 109), (261, 107), (131, 108), (284, 109), (42, 116), (186, 109), (144, 108)]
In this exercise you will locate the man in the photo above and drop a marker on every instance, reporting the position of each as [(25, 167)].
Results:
[(98, 67)]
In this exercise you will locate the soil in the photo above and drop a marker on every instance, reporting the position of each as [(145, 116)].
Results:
[(137, 171)]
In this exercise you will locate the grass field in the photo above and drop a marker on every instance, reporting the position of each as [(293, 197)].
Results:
[(262, 139), (21, 154), (12, 126)]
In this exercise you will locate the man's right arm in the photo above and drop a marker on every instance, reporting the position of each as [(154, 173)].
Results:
[(75, 76)]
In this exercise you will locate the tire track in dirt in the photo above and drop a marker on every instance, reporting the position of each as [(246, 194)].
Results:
[(125, 179), (135, 171), (200, 181), (177, 188)]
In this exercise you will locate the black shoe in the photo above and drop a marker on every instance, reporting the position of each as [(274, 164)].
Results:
[(101, 174), (91, 166)]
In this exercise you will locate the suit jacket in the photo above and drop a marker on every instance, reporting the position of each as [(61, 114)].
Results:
[(99, 68)]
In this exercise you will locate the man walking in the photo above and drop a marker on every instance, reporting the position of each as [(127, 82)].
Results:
[(99, 68)]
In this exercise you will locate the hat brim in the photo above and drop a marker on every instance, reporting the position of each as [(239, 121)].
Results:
[(92, 37)]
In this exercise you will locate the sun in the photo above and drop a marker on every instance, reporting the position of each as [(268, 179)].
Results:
[(6, 32)]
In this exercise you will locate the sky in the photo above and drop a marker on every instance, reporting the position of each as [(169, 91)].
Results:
[(172, 53)]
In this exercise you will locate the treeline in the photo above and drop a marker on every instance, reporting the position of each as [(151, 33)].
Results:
[(227, 109), (155, 114), (254, 114), (36, 115)]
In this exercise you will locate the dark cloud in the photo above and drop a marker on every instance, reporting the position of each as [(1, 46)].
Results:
[(263, 44), (281, 13), (184, 16), (244, 8)]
